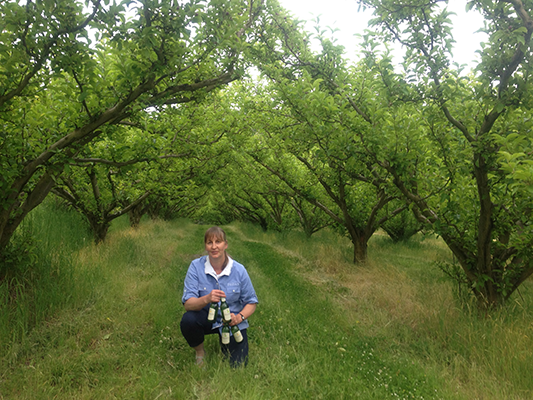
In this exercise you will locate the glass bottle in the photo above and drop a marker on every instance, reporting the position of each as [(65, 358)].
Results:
[(212, 314), (226, 315), (225, 334), (236, 333)]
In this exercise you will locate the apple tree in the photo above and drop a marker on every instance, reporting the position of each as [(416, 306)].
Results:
[(469, 175), (73, 70)]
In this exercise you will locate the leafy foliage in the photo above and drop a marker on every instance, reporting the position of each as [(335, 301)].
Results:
[(71, 74), (464, 192), (121, 98), (402, 226)]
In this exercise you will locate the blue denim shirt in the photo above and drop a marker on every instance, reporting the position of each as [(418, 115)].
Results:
[(201, 279)]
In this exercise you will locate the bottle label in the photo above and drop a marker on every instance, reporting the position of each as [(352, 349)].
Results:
[(225, 337), (211, 315), (227, 314), (238, 336)]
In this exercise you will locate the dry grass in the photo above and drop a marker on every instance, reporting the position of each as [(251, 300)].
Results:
[(480, 355), (122, 340)]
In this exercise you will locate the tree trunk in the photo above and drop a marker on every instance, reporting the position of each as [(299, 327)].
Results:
[(263, 223), (135, 215), (485, 290), (13, 211), (99, 229), (360, 246), (484, 234)]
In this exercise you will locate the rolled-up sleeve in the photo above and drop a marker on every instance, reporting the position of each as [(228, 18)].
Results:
[(248, 295), (191, 284)]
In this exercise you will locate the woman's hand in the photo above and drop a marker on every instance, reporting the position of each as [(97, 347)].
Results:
[(215, 296), (236, 319), (197, 303), (246, 312)]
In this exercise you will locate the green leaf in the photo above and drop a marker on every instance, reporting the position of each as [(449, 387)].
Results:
[(83, 96)]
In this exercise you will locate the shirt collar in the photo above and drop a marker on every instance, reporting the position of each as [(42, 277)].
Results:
[(209, 270)]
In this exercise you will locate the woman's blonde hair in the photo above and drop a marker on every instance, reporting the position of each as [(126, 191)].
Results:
[(215, 232)]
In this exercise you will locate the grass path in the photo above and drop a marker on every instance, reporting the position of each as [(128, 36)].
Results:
[(303, 328), (123, 340)]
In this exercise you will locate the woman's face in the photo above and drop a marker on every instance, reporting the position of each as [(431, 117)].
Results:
[(216, 248)]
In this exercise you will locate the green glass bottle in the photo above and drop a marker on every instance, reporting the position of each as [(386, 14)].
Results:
[(212, 314), (236, 333), (226, 315), (225, 334)]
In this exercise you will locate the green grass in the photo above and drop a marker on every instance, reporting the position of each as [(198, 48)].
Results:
[(324, 328), (41, 277)]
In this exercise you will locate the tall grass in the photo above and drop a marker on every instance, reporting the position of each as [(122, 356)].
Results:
[(324, 328), (402, 300), (489, 348), (41, 278)]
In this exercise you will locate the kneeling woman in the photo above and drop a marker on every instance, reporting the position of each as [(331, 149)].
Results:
[(209, 279)]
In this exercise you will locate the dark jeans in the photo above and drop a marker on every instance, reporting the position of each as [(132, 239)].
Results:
[(194, 326)]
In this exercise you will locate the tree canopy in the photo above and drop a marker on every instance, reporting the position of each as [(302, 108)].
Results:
[(72, 71), (126, 98)]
